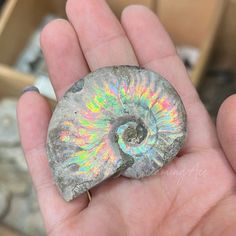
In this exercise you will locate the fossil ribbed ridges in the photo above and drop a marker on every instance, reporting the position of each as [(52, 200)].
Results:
[(118, 120)]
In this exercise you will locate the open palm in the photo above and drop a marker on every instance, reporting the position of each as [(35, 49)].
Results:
[(193, 195)]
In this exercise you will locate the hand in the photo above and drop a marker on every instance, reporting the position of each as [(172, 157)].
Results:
[(193, 195)]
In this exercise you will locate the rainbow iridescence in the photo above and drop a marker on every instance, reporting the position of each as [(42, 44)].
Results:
[(123, 119), (108, 101)]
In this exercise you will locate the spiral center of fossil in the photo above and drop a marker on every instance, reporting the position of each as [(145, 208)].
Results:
[(134, 134)]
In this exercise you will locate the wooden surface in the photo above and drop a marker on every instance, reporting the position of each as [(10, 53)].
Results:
[(187, 21), (12, 82), (18, 28), (58, 7), (19, 20), (6, 13), (207, 46), (6, 231), (119, 5), (224, 55)]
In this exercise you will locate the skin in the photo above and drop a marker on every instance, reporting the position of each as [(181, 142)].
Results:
[(193, 195)]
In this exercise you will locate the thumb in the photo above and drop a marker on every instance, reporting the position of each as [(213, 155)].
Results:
[(226, 128)]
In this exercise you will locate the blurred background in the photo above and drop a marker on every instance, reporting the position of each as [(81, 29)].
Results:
[(204, 32)]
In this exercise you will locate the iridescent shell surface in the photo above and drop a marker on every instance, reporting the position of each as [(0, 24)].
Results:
[(116, 121)]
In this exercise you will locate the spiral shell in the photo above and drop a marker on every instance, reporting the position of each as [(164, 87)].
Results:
[(116, 121)]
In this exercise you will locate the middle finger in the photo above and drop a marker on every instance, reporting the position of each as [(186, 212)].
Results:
[(102, 39)]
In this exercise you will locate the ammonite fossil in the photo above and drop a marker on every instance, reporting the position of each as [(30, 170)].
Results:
[(116, 121)]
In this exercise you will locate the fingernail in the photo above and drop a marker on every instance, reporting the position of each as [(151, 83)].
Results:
[(30, 89)]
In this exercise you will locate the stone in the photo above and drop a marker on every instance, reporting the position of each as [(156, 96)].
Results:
[(5, 198), (17, 197), (8, 124), (116, 121), (31, 222), (15, 156), (7, 231)]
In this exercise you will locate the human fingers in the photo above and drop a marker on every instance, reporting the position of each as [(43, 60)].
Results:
[(65, 60), (102, 39)]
